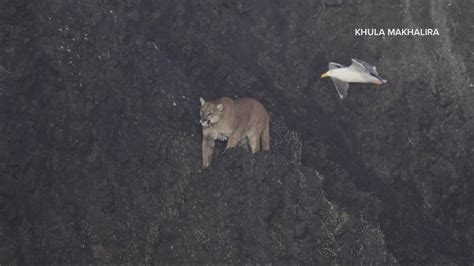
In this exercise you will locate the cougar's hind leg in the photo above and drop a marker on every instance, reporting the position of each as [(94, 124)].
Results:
[(266, 138), (254, 142)]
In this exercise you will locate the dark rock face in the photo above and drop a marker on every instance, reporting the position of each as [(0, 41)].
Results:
[(265, 209), (100, 144)]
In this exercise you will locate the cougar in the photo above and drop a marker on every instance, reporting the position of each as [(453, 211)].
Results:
[(234, 121)]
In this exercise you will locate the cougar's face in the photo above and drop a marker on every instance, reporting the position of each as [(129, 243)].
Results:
[(211, 113)]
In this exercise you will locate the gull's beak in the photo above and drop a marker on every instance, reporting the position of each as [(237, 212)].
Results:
[(325, 75)]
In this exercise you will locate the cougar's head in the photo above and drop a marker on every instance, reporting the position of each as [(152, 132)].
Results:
[(211, 112)]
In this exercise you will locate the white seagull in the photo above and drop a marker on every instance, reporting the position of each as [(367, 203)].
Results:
[(358, 72)]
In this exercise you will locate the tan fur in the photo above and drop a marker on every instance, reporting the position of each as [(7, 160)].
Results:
[(235, 121)]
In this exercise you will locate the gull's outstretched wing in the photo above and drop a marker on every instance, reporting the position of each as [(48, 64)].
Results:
[(333, 65), (362, 66), (341, 87)]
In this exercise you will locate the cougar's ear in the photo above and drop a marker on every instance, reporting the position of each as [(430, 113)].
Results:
[(202, 100), (220, 107)]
